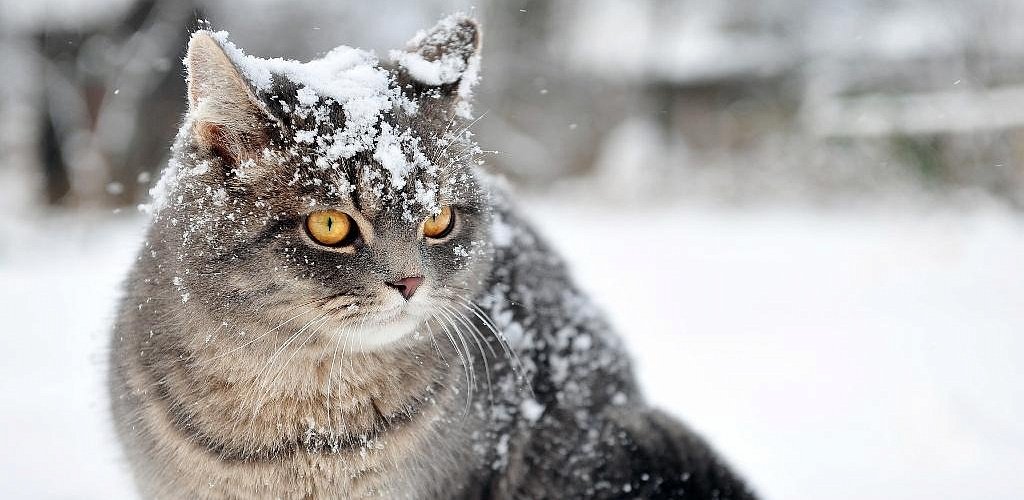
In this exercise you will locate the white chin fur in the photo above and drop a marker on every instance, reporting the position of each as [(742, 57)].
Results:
[(374, 337)]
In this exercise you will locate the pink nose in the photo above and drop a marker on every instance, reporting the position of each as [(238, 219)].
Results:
[(406, 286)]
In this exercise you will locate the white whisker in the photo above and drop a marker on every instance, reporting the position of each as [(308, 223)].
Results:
[(477, 339)]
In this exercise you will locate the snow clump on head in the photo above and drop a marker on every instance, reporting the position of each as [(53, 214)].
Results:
[(343, 121)]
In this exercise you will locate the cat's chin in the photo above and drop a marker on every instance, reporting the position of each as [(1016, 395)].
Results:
[(375, 337)]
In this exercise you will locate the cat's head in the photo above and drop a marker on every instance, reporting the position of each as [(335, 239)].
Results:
[(343, 192)]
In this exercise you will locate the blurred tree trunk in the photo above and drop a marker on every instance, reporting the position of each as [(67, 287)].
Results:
[(112, 96)]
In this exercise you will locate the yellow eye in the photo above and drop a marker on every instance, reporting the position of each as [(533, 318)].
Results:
[(438, 226), (330, 227)]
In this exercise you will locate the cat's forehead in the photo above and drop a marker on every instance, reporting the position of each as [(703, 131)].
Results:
[(405, 185), (335, 104), (341, 125), (374, 150), (396, 164), (349, 127)]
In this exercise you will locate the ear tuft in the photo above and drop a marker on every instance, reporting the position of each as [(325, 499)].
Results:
[(226, 114), (443, 54)]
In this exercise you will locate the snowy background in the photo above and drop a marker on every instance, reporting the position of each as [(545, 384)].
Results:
[(818, 240)]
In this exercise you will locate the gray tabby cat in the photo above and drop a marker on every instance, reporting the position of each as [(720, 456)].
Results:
[(335, 301)]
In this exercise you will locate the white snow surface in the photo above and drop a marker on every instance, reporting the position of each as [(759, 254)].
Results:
[(343, 74), (862, 355)]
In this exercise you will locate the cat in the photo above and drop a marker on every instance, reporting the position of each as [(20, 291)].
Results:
[(334, 299)]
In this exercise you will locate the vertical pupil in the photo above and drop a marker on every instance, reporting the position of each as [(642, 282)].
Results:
[(330, 223)]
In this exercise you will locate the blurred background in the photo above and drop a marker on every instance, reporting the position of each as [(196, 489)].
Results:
[(817, 253)]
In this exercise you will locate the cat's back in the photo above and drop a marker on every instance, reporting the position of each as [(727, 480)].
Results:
[(587, 430)]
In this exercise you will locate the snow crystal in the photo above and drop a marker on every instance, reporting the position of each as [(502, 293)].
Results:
[(427, 197), (559, 368), (448, 69), (501, 449), (306, 96), (469, 80), (199, 169), (501, 233), (582, 342), (389, 154), (161, 191), (115, 188), (531, 409)]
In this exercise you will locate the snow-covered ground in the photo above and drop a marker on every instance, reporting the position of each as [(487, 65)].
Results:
[(827, 354)]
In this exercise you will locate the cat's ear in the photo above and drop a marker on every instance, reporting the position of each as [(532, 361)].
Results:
[(227, 117), (445, 56)]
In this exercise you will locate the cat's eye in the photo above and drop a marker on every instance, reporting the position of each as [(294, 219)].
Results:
[(439, 224), (331, 227)]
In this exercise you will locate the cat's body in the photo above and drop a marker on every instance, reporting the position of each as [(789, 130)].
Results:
[(249, 362)]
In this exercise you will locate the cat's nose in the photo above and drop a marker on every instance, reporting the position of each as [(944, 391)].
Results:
[(406, 286)]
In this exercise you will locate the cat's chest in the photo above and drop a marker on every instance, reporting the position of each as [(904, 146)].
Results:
[(400, 463), (356, 440)]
